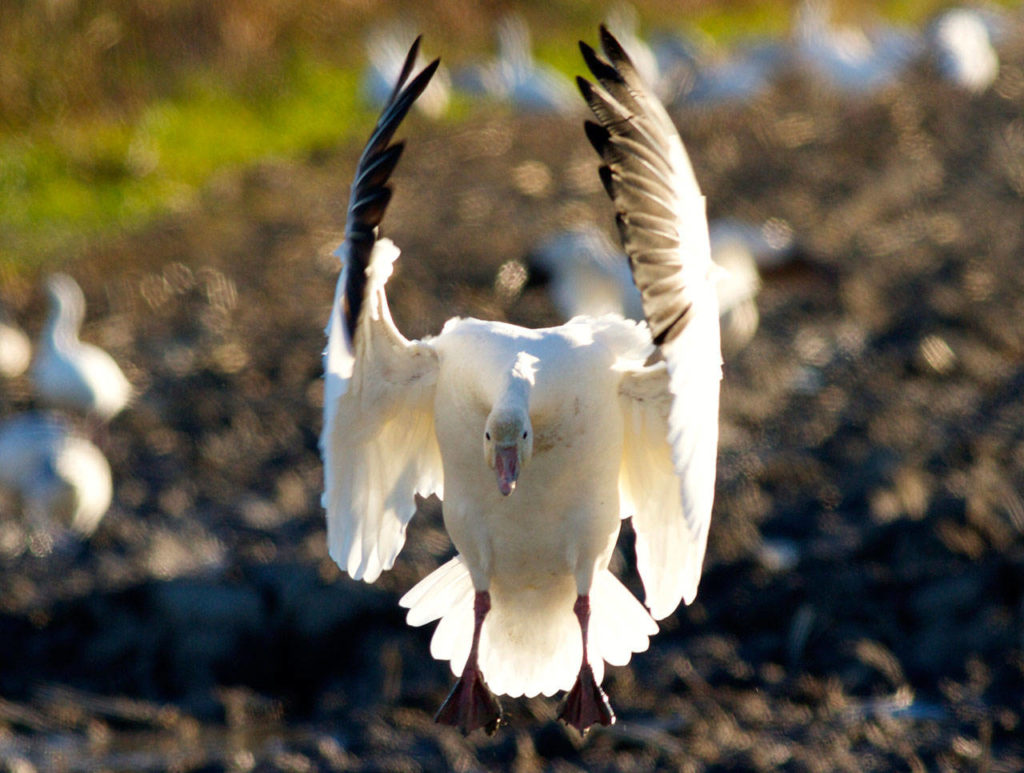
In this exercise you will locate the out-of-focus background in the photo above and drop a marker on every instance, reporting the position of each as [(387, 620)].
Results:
[(166, 599)]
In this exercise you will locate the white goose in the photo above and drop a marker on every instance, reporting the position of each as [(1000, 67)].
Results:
[(538, 441), (850, 59), (62, 480), (15, 350), (515, 77), (68, 373)]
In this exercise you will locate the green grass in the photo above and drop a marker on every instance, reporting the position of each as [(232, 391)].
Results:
[(61, 186), (113, 160)]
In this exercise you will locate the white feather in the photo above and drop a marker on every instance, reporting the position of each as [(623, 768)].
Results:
[(530, 642), (61, 478), (15, 351), (68, 373)]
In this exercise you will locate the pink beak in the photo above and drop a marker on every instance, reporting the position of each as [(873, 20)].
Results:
[(506, 465)]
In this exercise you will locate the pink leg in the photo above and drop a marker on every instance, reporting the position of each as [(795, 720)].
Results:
[(470, 704), (586, 704)]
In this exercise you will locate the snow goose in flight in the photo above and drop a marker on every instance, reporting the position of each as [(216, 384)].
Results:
[(538, 441), (68, 373), (62, 480)]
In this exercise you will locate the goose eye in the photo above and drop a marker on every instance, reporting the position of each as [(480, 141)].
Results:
[(524, 434), (487, 435)]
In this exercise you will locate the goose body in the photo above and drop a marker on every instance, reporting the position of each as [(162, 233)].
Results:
[(541, 547), (538, 441), (68, 373), (62, 480)]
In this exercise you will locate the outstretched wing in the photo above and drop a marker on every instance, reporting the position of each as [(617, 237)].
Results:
[(378, 441), (667, 480)]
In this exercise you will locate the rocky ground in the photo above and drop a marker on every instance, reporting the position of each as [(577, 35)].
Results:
[(862, 606)]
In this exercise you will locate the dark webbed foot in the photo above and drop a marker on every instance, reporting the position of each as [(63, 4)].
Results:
[(470, 705), (586, 704)]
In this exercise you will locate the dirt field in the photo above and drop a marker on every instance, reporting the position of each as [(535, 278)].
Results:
[(862, 606)]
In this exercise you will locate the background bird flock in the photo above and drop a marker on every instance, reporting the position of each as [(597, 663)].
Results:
[(49, 452), (59, 478)]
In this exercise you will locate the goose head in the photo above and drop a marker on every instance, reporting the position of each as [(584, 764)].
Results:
[(67, 307), (508, 433), (508, 444)]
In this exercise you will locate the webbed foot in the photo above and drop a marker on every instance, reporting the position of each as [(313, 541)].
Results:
[(470, 705), (586, 704)]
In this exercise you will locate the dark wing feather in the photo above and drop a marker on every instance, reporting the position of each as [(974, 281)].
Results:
[(660, 212), (370, 193), (659, 208)]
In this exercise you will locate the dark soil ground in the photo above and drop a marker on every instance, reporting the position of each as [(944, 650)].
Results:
[(862, 606)]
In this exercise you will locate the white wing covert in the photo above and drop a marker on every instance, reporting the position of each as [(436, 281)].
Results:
[(667, 480), (378, 442)]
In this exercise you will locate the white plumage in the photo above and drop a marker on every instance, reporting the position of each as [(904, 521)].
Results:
[(68, 373), (538, 441), (15, 351), (961, 41), (62, 480)]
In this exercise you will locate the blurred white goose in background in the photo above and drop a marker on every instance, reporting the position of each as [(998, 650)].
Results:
[(515, 77), (770, 244), (68, 373), (386, 47), (695, 71), (587, 274), (848, 58), (61, 479), (960, 41), (15, 350)]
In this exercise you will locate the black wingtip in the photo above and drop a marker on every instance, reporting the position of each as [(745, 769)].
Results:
[(586, 87), (607, 180), (410, 93), (407, 65), (604, 72), (370, 192), (598, 136), (612, 47)]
